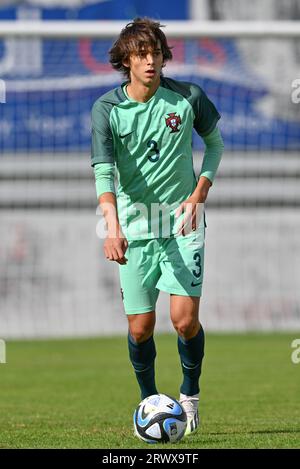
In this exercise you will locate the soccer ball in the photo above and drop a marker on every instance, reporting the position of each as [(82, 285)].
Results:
[(159, 419)]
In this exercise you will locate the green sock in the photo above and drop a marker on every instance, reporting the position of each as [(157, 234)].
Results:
[(142, 356), (191, 354)]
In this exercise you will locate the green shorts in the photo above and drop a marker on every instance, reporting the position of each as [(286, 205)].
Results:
[(173, 265)]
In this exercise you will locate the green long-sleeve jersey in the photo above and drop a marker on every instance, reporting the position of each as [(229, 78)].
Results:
[(151, 145)]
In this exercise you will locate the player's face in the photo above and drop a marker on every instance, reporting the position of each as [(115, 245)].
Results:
[(145, 66)]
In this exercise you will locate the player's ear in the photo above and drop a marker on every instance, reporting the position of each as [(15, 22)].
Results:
[(126, 62)]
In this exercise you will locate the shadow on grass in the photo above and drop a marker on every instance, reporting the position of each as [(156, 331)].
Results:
[(252, 432)]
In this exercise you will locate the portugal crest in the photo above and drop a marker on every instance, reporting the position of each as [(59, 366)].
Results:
[(173, 122)]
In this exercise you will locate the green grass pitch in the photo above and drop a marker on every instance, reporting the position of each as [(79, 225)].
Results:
[(82, 393)]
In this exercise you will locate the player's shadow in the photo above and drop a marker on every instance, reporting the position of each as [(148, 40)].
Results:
[(254, 432)]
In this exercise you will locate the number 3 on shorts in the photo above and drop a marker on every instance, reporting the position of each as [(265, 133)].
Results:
[(197, 259)]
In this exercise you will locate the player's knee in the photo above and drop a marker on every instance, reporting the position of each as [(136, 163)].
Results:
[(141, 326), (186, 328), (141, 333)]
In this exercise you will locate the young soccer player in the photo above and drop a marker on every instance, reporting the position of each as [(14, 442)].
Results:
[(156, 229)]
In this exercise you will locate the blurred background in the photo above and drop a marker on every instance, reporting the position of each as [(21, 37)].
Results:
[(54, 279)]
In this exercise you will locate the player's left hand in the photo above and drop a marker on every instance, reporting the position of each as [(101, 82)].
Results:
[(193, 207), (192, 210)]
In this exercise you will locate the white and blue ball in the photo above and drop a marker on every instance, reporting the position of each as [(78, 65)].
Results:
[(159, 419)]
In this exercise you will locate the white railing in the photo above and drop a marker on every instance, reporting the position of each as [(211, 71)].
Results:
[(175, 29)]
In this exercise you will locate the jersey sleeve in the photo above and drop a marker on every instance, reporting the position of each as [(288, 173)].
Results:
[(206, 115), (214, 148), (102, 141), (104, 178)]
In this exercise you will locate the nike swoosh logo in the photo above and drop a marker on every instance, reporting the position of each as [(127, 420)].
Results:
[(126, 135), (195, 284)]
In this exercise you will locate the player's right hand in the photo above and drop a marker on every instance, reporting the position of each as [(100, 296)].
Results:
[(115, 248)]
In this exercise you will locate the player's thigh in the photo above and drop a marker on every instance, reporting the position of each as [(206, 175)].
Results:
[(184, 312), (183, 265)]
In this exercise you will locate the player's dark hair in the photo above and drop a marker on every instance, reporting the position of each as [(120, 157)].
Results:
[(139, 35)]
